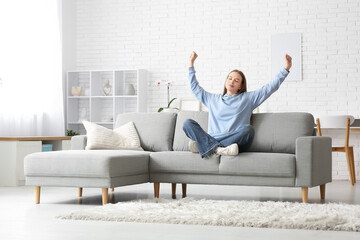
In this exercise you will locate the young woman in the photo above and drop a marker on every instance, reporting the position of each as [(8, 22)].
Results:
[(229, 130)]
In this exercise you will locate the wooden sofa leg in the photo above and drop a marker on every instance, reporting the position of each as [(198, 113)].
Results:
[(156, 189), (322, 192), (184, 190), (80, 190), (173, 190), (305, 194), (105, 196), (37, 194)]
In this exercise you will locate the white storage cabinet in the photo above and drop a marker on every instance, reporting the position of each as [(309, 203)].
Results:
[(95, 106)]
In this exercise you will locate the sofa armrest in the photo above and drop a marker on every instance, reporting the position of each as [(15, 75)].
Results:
[(313, 161), (78, 142)]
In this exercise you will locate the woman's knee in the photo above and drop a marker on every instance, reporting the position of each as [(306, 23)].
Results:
[(188, 123), (249, 134), (250, 129)]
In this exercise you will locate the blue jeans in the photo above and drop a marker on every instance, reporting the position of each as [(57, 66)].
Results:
[(208, 144)]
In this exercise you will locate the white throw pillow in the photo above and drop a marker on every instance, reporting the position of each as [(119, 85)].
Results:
[(124, 137)]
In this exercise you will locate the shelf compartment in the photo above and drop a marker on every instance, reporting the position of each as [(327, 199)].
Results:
[(102, 110), (78, 109), (81, 79), (123, 105), (98, 81), (123, 81)]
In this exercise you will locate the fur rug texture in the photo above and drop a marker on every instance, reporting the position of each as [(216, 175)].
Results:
[(289, 215)]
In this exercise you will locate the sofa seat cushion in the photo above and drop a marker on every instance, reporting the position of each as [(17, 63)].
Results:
[(87, 163), (259, 164), (183, 162)]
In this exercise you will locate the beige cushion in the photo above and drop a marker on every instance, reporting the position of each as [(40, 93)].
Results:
[(123, 137)]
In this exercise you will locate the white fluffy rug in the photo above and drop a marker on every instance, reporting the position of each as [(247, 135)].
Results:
[(329, 216)]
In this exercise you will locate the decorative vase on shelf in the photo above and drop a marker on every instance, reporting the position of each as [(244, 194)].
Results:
[(76, 90), (129, 89), (107, 88)]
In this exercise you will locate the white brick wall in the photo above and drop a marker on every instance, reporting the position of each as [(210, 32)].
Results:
[(159, 36)]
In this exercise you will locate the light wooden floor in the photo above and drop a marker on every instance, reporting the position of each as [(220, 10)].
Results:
[(20, 218)]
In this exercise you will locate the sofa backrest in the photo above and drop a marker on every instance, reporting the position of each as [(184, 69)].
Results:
[(277, 132), (156, 130), (274, 132), (181, 141)]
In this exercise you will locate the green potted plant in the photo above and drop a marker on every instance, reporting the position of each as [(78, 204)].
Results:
[(70, 132), (168, 108)]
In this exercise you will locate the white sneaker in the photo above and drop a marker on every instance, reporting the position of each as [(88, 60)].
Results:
[(193, 147), (231, 150)]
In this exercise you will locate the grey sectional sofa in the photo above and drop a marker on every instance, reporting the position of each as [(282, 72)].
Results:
[(284, 153)]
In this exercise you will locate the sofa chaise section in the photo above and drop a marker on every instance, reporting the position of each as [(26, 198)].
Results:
[(102, 168), (86, 168)]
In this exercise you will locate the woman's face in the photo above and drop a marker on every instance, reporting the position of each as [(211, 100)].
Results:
[(233, 83)]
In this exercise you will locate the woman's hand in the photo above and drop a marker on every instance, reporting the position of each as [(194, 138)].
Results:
[(193, 56), (288, 62)]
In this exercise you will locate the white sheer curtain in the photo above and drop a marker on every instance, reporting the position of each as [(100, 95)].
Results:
[(31, 95)]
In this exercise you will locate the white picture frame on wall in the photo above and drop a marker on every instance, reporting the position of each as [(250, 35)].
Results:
[(286, 43), (189, 104)]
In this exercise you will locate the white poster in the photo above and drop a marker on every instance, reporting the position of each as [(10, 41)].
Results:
[(281, 44)]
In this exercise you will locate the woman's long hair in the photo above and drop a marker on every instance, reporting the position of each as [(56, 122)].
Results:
[(243, 83)]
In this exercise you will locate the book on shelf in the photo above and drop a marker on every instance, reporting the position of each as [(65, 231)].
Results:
[(47, 147)]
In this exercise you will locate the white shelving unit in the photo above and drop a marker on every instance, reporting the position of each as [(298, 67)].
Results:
[(93, 105)]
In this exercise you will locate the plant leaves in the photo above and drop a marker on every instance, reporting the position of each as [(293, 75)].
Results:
[(171, 102), (70, 132)]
